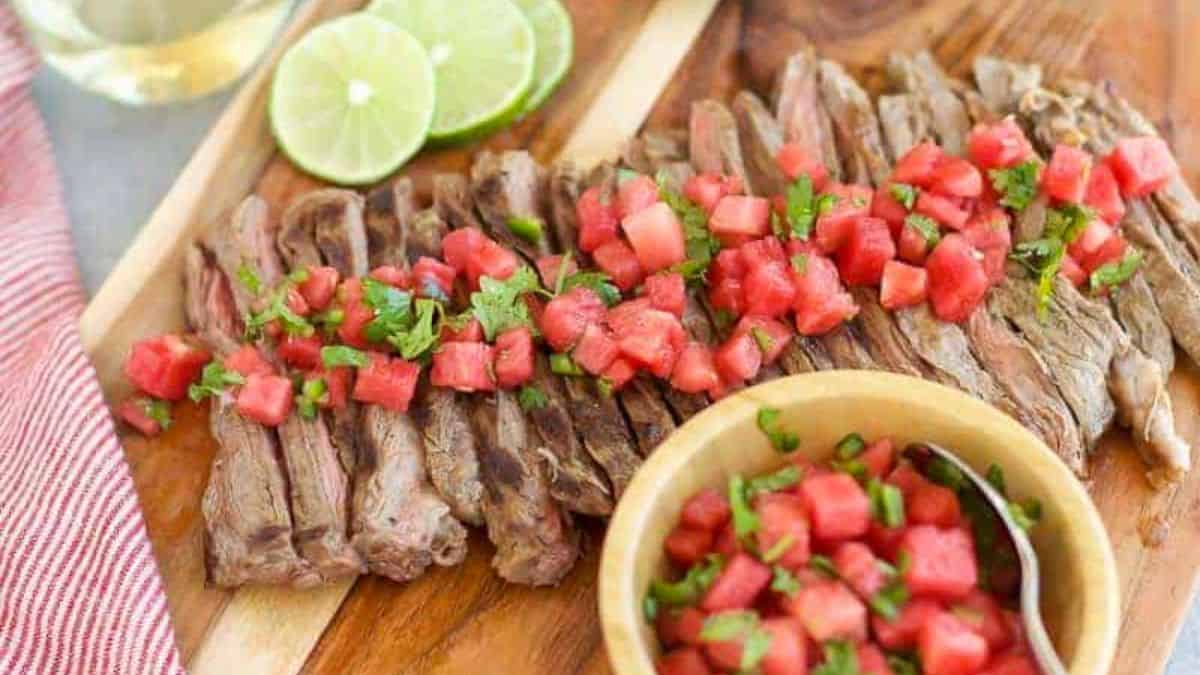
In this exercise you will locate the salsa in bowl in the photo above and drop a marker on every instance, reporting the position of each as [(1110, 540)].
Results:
[(780, 532)]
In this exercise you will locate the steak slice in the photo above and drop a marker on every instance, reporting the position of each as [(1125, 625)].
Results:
[(535, 543), (713, 145), (654, 148), (400, 524), (1174, 306), (386, 214), (240, 244), (505, 187), (943, 108), (325, 224), (247, 523), (796, 91), (451, 450), (598, 417), (761, 136), (1143, 406)]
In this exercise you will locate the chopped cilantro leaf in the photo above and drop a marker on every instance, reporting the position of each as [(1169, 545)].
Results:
[(419, 339), (214, 380), (801, 207), (887, 503), (694, 583), (311, 394), (1026, 513), (745, 520), (841, 658), (157, 410), (903, 664), (942, 472), (823, 565), (889, 600), (1067, 222), (599, 282), (1115, 273), (995, 477), (1017, 185), (563, 364), (781, 440), (498, 305), (699, 242), (624, 174), (249, 278), (1043, 258), (333, 356), (924, 226), (851, 445), (780, 480), (739, 625), (393, 309), (531, 398), (904, 193), (783, 581)]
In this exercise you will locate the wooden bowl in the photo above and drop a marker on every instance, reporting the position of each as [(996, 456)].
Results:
[(1080, 599)]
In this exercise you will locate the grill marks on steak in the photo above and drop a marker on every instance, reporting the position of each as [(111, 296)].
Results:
[(398, 522), (534, 541), (247, 523), (598, 418), (796, 91), (246, 240), (387, 213), (1022, 382), (508, 186)]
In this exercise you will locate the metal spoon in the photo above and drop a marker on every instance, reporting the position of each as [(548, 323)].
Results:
[(1043, 651)]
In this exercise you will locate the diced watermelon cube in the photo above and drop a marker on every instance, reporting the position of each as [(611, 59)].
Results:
[(680, 625), (739, 217), (620, 373), (651, 341), (738, 359), (865, 252), (392, 276), (903, 631), (829, 611), (782, 517), (885, 207), (695, 369), (932, 504), (513, 357), (338, 382), (759, 253), (686, 546), (683, 661), (998, 145), (165, 366), (247, 360), (942, 209), (491, 260), (597, 217), (596, 349), (729, 296), (871, 661), (771, 336), (956, 177), (667, 291), (320, 286), (851, 202), (907, 478), (768, 289), (786, 654), (1072, 271), (911, 246), (1142, 165), (941, 562), (618, 260), (902, 285), (837, 506), (656, 236), (727, 265), (357, 313), (1011, 664), (301, 352), (460, 246), (957, 280), (820, 302), (1099, 243), (1104, 195), (1066, 176), (635, 194), (948, 647), (266, 399), (738, 584), (878, 457), (472, 331), (707, 189), (464, 366), (795, 159), (390, 382), (624, 318), (707, 509), (916, 166), (982, 613), (859, 568), (566, 317), (133, 412)]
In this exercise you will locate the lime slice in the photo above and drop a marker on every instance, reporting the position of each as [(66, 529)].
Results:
[(555, 44), (482, 52), (353, 100)]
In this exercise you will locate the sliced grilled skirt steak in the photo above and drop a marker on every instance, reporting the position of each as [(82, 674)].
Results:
[(387, 212), (506, 187), (247, 522)]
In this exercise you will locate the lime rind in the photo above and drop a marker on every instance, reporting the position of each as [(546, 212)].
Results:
[(555, 48), (483, 54), (353, 100)]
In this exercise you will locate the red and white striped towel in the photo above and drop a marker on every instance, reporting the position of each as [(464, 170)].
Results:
[(79, 588)]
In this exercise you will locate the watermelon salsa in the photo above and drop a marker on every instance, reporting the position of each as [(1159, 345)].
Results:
[(866, 564), (939, 231)]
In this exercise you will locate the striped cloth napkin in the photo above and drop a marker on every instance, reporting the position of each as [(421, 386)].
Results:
[(79, 588)]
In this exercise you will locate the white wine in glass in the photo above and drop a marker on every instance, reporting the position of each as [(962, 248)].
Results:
[(152, 51)]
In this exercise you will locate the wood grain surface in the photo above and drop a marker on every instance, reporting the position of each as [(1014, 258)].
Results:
[(464, 620)]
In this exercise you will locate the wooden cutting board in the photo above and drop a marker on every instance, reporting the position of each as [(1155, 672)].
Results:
[(636, 61)]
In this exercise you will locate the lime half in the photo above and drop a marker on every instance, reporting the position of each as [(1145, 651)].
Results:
[(353, 100), (483, 54), (555, 47)]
